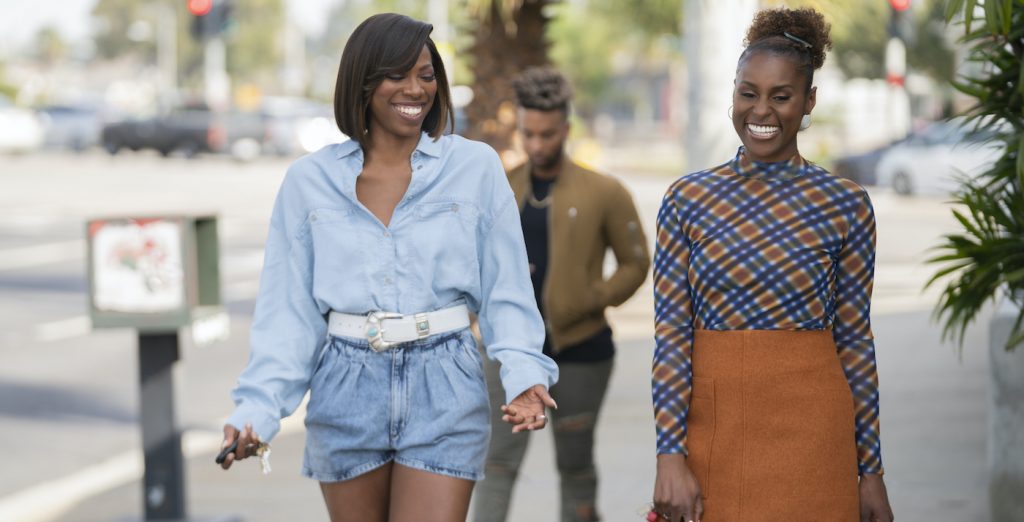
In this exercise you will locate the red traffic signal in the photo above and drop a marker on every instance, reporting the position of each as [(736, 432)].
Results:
[(900, 5), (200, 7)]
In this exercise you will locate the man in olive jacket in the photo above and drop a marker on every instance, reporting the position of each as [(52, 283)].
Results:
[(571, 216)]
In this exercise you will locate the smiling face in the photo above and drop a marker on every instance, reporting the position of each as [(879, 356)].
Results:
[(768, 101), (401, 102)]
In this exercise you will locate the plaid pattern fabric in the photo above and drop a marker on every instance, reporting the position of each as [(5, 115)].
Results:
[(764, 246)]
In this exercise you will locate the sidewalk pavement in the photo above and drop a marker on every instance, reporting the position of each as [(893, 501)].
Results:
[(933, 436)]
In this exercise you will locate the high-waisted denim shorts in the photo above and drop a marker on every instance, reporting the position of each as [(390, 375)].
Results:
[(422, 404)]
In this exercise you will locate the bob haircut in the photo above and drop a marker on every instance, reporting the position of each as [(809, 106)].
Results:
[(384, 44)]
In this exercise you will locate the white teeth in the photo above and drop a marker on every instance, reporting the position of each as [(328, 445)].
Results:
[(763, 130), (409, 111)]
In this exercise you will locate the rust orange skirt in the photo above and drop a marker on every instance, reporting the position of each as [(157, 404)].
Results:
[(771, 427)]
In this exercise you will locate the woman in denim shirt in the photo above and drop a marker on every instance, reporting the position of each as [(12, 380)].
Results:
[(378, 249)]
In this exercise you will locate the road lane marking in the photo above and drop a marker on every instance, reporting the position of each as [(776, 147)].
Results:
[(30, 256), (48, 501), (63, 329), (80, 325)]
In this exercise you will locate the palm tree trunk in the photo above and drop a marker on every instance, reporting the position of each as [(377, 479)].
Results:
[(502, 49)]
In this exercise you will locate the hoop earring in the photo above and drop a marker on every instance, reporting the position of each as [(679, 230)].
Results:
[(730, 113), (805, 122)]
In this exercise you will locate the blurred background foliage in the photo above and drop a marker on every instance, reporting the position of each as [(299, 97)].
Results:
[(126, 29), (590, 40), (625, 58), (859, 39)]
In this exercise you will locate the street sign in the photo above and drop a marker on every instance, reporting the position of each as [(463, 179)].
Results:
[(895, 62)]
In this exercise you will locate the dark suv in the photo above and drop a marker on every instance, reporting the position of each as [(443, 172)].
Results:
[(188, 130)]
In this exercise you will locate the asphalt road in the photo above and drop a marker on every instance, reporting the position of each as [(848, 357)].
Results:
[(69, 397)]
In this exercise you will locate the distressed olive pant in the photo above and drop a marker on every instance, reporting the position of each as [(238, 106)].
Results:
[(579, 393)]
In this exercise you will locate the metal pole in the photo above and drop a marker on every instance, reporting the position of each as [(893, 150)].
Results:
[(713, 36), (163, 485), (294, 71), (437, 13), (218, 84), (167, 53)]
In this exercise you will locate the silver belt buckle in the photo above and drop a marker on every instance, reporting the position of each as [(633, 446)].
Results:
[(375, 329)]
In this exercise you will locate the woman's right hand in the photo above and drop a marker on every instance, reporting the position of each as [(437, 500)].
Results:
[(676, 490), (248, 442)]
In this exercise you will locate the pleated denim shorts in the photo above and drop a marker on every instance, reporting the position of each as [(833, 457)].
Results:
[(421, 404)]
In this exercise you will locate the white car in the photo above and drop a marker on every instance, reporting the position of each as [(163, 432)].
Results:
[(932, 161), (20, 129), (298, 126)]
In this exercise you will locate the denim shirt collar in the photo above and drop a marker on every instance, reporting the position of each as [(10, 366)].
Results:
[(424, 163), (426, 145), (769, 171)]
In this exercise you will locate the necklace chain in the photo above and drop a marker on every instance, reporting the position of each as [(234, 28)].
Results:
[(539, 203)]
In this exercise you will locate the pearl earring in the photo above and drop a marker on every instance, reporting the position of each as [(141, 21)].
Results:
[(805, 122)]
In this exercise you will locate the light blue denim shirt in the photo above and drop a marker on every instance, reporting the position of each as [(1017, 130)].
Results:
[(455, 236)]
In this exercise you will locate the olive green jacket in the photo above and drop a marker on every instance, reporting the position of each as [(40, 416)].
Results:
[(589, 213)]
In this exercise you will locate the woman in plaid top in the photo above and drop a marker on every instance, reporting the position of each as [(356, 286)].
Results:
[(764, 382)]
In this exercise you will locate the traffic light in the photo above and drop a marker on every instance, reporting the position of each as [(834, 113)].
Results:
[(199, 7), (901, 22), (900, 5), (901, 32), (210, 18)]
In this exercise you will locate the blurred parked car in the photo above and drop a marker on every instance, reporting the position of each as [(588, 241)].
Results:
[(189, 130), (931, 161), (20, 129), (297, 125), (75, 127), (861, 168)]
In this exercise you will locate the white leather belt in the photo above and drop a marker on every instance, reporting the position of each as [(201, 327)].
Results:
[(386, 329)]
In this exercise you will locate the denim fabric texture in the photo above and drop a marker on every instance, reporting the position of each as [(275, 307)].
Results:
[(454, 237), (422, 405)]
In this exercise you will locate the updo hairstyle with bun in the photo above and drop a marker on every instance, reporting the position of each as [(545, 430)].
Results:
[(801, 35)]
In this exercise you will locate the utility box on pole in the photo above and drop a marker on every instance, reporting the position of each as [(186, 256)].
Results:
[(157, 275), (154, 274)]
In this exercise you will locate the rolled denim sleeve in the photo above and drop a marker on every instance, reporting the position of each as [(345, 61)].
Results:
[(288, 327), (510, 324)]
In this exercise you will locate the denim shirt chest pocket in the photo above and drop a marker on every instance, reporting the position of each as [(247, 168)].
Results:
[(336, 237), (446, 239)]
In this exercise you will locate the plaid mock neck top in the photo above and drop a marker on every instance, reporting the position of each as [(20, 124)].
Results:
[(764, 246)]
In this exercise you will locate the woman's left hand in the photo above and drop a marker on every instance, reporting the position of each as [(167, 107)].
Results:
[(874, 500), (526, 412)]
